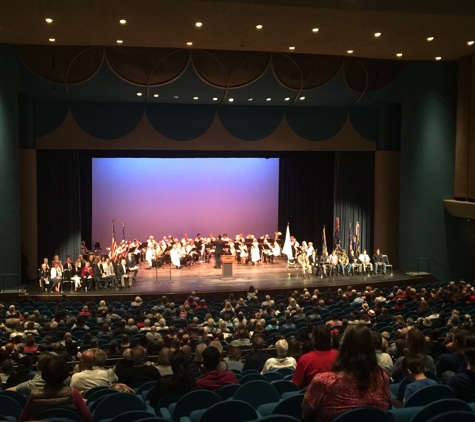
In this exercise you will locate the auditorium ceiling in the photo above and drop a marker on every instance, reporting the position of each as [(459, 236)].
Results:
[(396, 30)]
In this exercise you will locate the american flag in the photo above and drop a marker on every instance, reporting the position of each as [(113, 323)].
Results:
[(357, 233), (324, 240), (123, 232), (350, 238), (113, 243), (336, 238)]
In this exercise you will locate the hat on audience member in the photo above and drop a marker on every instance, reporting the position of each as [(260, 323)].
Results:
[(371, 313)]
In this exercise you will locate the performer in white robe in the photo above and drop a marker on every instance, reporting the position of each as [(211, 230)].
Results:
[(175, 256), (275, 251), (150, 250), (255, 252)]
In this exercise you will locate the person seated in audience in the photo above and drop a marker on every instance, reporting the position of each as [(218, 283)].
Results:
[(435, 347), (35, 383), (55, 393), (463, 381), (242, 339), (140, 372), (164, 362), (355, 381), (413, 366), (233, 362), (385, 361), (416, 344), (333, 322), (448, 363), (22, 374), (319, 360), (30, 344), (7, 368), (214, 378), (282, 360), (90, 374)]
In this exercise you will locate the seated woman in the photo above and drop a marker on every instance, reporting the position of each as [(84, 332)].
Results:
[(86, 275), (281, 361), (56, 276), (55, 393), (355, 380), (180, 383)]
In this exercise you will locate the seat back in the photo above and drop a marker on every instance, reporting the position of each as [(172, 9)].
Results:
[(284, 386), (230, 411), (251, 377), (97, 394), (291, 406), (115, 404), (10, 407), (257, 393), (273, 376), (429, 394), (285, 371), (131, 416), (15, 395), (227, 391), (364, 414), (440, 406), (57, 413), (280, 418), (458, 415), (194, 400)]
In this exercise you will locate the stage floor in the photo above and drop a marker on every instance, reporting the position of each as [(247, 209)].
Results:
[(206, 280)]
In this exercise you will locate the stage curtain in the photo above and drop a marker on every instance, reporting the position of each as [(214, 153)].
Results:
[(306, 195), (59, 204), (354, 197)]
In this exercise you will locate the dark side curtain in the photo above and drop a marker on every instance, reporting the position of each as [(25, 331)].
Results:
[(354, 196), (60, 204), (306, 196)]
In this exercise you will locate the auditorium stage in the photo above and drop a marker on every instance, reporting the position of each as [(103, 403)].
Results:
[(208, 282)]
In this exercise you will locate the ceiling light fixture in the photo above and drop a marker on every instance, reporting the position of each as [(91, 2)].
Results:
[(49, 20), (258, 26), (399, 54), (268, 99), (231, 100), (430, 39), (195, 98), (120, 41), (315, 30), (189, 43), (302, 98), (215, 99), (122, 21), (175, 96), (249, 99), (155, 95), (139, 94), (377, 34), (350, 51), (199, 24), (51, 39), (287, 98), (291, 48), (471, 42), (438, 58)]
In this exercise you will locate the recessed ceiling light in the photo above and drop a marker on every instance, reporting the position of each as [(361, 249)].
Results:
[(430, 39), (139, 94), (249, 99), (399, 54), (199, 24), (258, 26), (315, 30), (287, 98), (195, 98), (350, 51), (155, 95), (231, 100), (302, 98), (291, 48), (268, 99), (51, 39), (377, 34), (189, 43), (215, 99), (471, 42), (175, 96), (438, 58), (122, 21), (49, 20), (120, 41)]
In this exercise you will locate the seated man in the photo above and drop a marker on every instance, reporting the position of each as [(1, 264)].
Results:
[(131, 264), (123, 273), (90, 375), (140, 372), (378, 261), (44, 278), (214, 378), (365, 261)]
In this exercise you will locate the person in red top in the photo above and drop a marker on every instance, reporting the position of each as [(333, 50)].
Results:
[(214, 379), (355, 381), (318, 360)]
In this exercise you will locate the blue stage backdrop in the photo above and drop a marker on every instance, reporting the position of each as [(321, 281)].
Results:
[(173, 196)]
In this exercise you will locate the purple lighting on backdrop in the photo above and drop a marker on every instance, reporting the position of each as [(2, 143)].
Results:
[(173, 196)]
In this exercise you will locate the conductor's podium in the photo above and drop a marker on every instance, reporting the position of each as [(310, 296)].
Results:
[(227, 262)]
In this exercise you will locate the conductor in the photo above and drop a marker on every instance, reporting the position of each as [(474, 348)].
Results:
[(218, 251)]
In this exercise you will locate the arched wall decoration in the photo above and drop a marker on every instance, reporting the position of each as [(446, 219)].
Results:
[(378, 73), (126, 66), (209, 69), (49, 114), (365, 121), (62, 64)]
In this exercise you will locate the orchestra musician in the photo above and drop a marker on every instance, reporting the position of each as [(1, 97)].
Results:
[(255, 252), (276, 251), (266, 251), (243, 254), (175, 256), (150, 247)]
